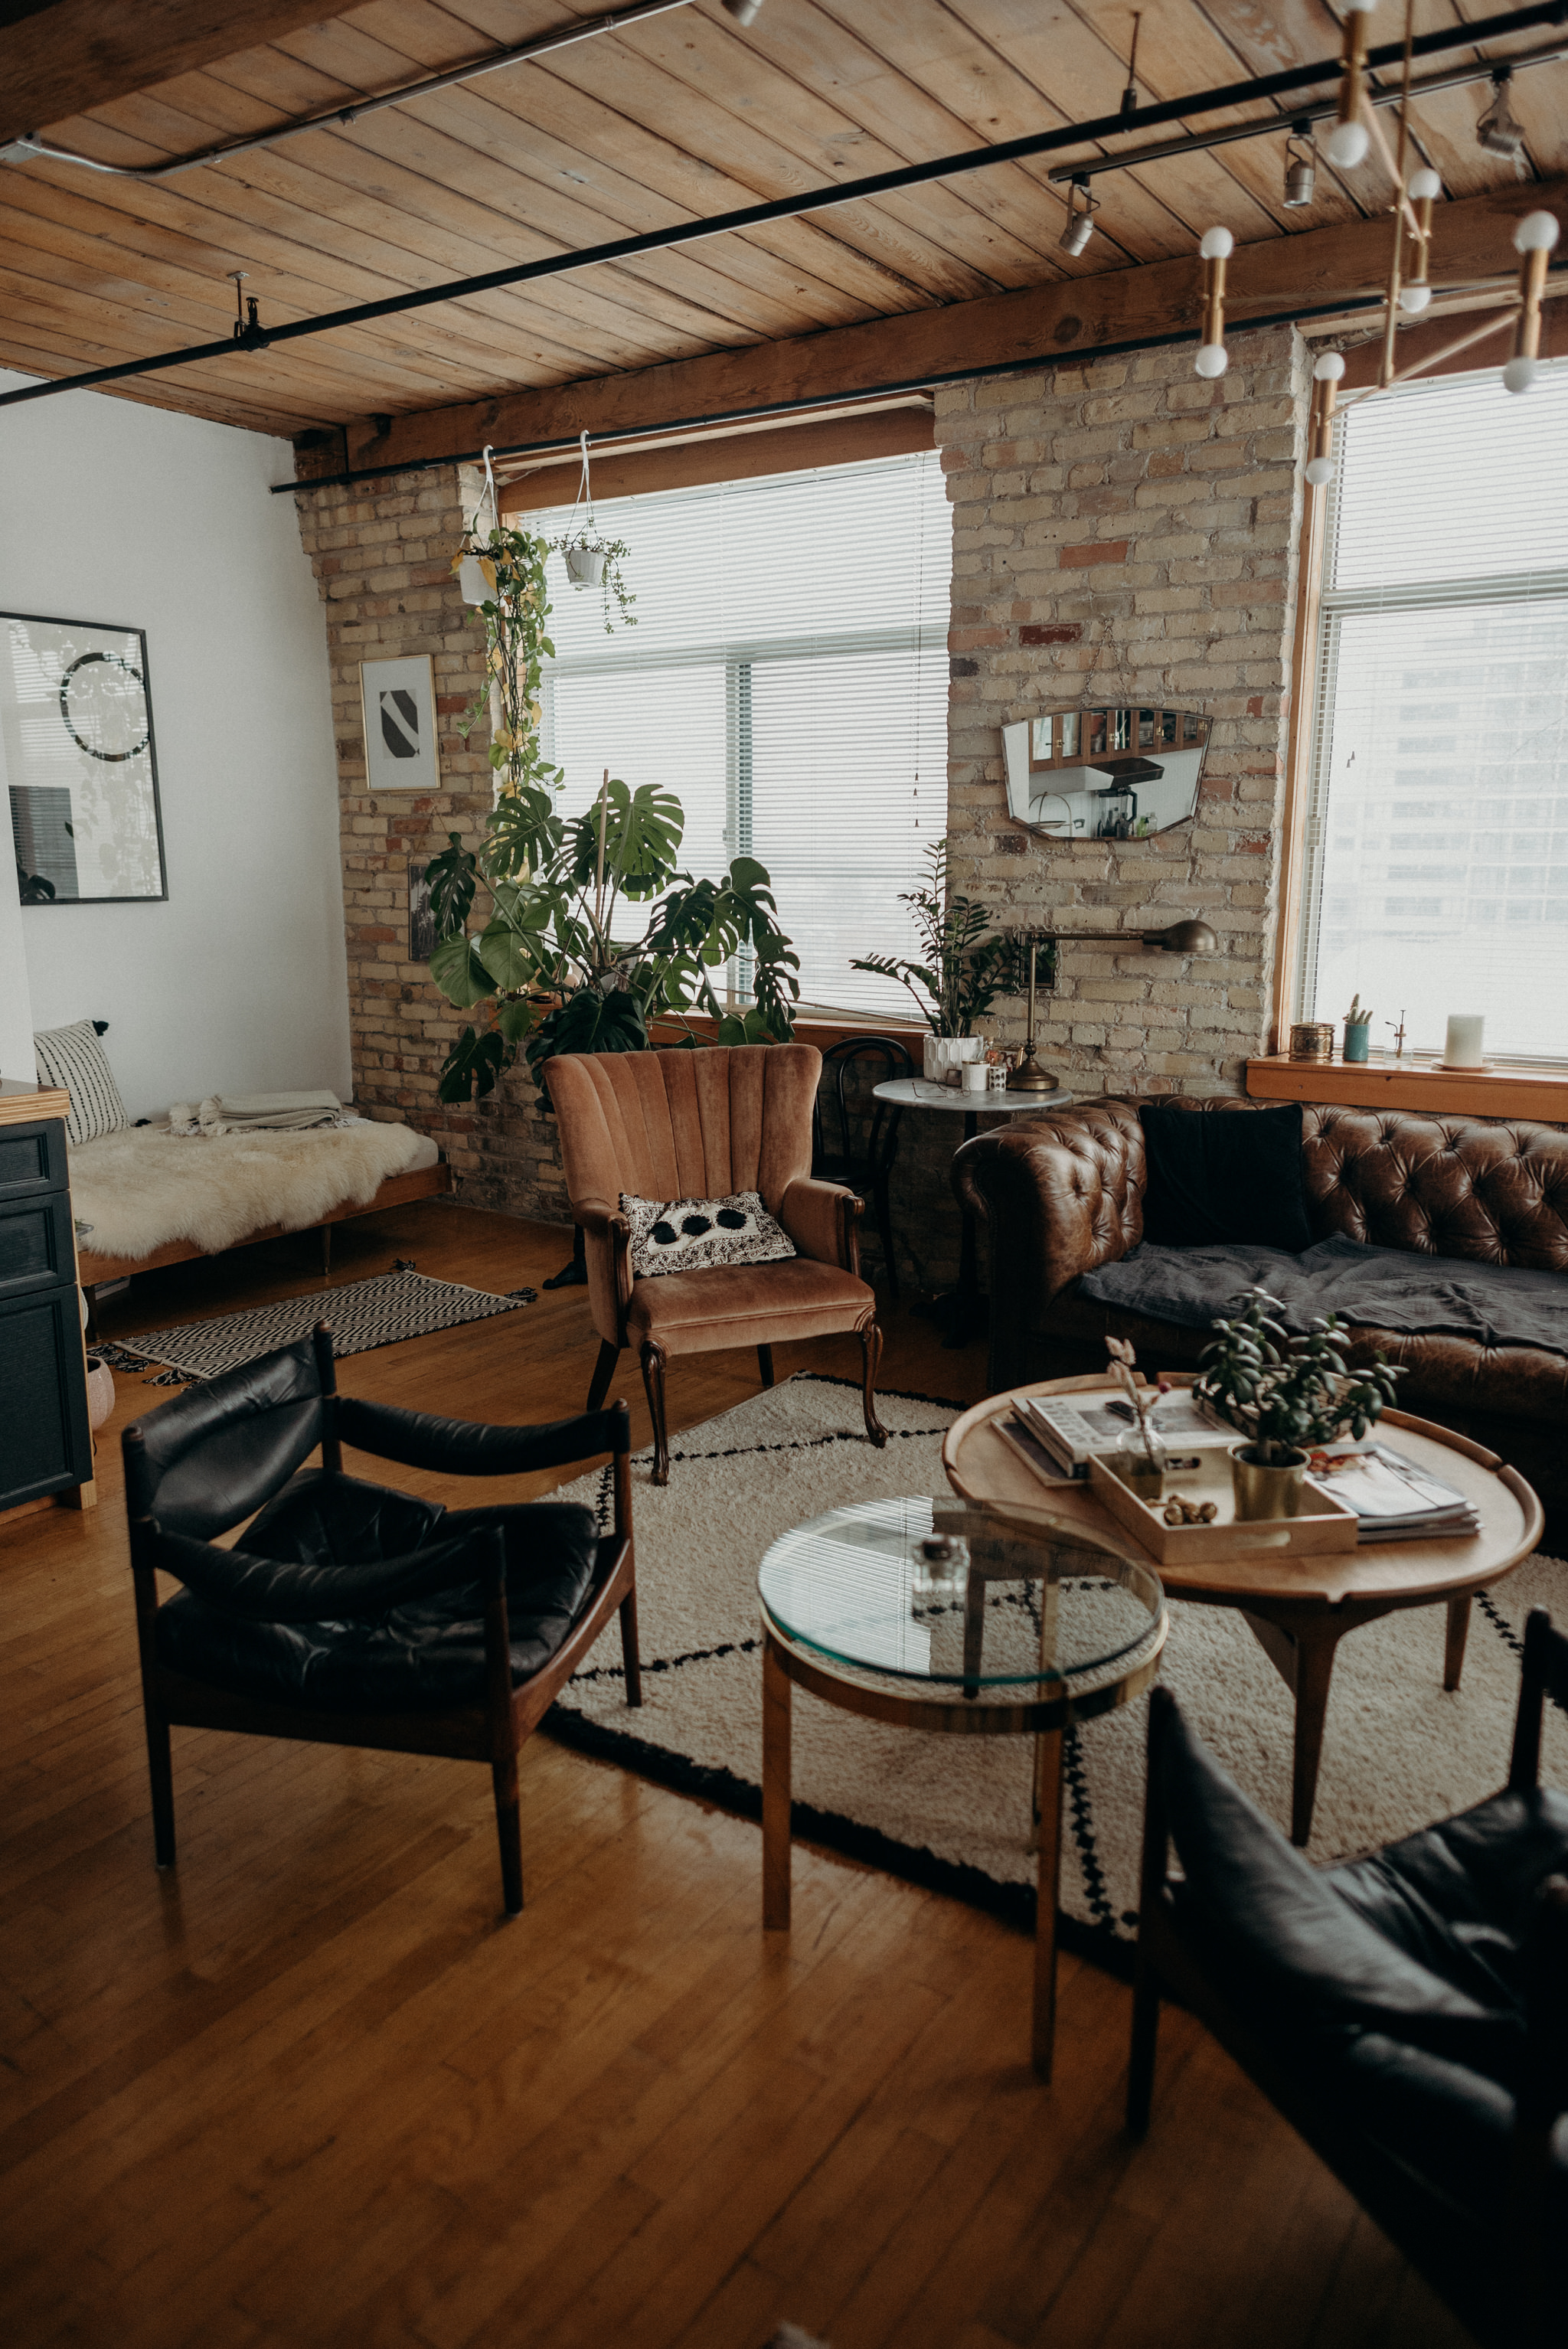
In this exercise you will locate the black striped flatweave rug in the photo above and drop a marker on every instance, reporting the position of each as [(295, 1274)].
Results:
[(954, 1813), (366, 1314)]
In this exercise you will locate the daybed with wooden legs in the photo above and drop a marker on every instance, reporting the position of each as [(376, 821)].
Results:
[(708, 1125)]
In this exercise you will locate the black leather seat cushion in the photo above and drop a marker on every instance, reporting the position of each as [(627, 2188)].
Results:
[(1457, 1898), (1411, 1953), (426, 1653)]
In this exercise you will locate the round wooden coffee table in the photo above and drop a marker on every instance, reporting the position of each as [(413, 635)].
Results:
[(1038, 1629), (1298, 1608)]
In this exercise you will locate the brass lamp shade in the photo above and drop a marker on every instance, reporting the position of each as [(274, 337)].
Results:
[(1184, 938)]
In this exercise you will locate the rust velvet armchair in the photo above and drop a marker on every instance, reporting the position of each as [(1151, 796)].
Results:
[(707, 1124)]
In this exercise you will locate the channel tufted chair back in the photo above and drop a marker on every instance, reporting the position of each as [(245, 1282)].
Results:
[(704, 1125)]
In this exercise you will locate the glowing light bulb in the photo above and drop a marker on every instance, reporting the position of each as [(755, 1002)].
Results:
[(1319, 470), (1414, 298), (1520, 373), (1211, 359), (1218, 244), (1346, 145), (1329, 367), (1536, 233), (1426, 183)]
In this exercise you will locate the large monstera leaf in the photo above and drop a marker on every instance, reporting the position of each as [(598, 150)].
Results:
[(473, 1066), (460, 974), (588, 1022), (643, 831)]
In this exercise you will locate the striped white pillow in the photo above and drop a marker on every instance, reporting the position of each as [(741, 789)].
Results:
[(73, 1058)]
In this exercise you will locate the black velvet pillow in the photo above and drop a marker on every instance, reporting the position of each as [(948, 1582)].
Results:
[(1220, 1175)]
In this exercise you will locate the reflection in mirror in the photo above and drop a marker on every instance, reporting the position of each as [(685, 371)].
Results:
[(1105, 773)]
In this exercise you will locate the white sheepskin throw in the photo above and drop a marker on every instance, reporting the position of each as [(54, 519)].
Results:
[(145, 1187)]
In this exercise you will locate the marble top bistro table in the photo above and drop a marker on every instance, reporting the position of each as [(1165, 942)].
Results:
[(961, 1313), (1036, 1628)]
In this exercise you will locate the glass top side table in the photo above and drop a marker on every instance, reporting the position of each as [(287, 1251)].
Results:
[(1017, 1628)]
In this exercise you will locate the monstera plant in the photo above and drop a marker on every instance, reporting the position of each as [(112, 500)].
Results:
[(554, 966)]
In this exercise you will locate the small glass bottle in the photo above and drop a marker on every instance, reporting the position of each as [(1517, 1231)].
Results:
[(1140, 1462)]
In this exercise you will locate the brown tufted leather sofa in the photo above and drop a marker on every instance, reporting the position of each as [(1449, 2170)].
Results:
[(1063, 1194)]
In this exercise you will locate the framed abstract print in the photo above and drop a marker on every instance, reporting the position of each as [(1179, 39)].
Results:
[(399, 697), (77, 761)]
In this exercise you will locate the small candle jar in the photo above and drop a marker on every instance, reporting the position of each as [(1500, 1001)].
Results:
[(941, 1566), (1463, 1047), (975, 1076)]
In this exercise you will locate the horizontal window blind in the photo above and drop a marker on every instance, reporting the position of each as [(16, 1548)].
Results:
[(788, 681), (1438, 829)]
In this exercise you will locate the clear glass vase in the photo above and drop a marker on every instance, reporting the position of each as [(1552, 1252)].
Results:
[(1141, 1464)]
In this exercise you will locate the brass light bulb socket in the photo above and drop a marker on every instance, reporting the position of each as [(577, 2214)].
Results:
[(1355, 60), (1323, 420), (1214, 300), (1532, 282)]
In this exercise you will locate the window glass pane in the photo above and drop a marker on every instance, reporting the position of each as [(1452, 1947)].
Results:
[(1438, 852), (1453, 479), (1445, 865), (788, 679)]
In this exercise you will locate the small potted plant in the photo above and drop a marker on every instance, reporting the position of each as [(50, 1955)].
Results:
[(963, 973), (1358, 1031), (593, 560), (1285, 1395)]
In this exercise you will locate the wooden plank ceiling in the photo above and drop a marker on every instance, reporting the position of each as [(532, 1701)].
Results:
[(682, 117)]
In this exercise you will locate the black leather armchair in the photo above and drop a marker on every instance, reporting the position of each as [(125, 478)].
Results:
[(1407, 2013), (353, 1614)]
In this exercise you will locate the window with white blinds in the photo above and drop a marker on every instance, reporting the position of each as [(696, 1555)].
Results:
[(787, 679), (1438, 829)]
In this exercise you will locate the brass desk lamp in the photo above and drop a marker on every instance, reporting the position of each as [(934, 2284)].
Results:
[(1182, 937)]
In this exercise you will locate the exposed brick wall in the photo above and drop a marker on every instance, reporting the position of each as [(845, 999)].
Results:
[(1121, 530), (382, 556), (1127, 530)]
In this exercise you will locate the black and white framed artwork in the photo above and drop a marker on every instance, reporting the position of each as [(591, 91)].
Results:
[(400, 751), (77, 761)]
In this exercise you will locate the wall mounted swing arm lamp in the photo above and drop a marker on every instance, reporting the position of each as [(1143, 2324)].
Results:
[(1188, 938)]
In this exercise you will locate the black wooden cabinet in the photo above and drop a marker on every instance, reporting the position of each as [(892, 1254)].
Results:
[(45, 1444)]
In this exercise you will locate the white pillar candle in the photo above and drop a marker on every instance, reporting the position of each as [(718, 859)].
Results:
[(1463, 1047), (974, 1077)]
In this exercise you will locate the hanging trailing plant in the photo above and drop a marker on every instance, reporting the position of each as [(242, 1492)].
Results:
[(546, 971), (593, 560)]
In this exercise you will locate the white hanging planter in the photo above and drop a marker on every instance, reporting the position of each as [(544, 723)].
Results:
[(945, 1053), (585, 565), (472, 584)]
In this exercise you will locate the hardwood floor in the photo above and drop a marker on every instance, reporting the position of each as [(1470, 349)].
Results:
[(308, 2087)]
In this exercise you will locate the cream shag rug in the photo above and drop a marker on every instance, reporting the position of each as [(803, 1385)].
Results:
[(141, 1189), (954, 1813)]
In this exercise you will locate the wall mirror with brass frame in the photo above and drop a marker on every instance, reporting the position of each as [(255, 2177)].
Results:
[(1104, 771)]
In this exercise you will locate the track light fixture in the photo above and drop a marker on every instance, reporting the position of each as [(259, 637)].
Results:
[(1497, 130), (1080, 224), (1300, 167), (745, 11), (1129, 95)]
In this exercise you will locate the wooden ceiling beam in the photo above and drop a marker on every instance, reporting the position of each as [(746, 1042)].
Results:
[(1279, 277), (63, 59)]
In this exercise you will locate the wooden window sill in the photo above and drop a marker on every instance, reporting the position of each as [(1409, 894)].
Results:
[(820, 1032), (1395, 1084)]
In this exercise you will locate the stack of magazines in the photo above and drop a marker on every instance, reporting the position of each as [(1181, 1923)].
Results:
[(1056, 1434), (1393, 1499)]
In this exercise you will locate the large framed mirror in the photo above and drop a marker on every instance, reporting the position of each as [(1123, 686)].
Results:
[(1105, 770), (77, 763)]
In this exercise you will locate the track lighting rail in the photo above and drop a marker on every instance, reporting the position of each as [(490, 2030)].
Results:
[(815, 200), (1301, 117)]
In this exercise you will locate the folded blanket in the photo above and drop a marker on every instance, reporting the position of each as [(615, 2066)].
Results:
[(255, 1113), (1371, 1288)]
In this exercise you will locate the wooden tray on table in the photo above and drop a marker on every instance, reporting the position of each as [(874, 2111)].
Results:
[(1331, 1525)]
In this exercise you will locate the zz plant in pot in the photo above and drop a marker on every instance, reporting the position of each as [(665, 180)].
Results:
[(961, 970), (1285, 1394)]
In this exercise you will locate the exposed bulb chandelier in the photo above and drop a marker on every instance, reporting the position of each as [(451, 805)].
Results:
[(1355, 135)]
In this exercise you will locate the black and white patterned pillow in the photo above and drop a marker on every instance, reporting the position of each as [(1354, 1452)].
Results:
[(73, 1059), (698, 1235)]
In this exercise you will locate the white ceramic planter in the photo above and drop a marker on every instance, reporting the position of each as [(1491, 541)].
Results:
[(584, 566), (946, 1053), (472, 584)]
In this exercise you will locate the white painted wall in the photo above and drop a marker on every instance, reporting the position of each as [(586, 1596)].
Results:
[(113, 511)]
